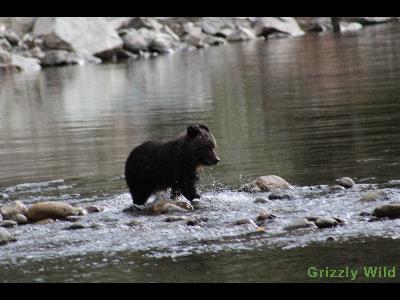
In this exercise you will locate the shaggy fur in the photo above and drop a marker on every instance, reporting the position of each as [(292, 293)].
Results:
[(158, 165)]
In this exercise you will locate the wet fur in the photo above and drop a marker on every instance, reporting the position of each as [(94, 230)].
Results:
[(158, 165)]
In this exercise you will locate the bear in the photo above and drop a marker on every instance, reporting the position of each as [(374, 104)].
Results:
[(158, 165)]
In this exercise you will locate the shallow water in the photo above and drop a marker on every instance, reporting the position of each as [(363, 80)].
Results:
[(309, 109)]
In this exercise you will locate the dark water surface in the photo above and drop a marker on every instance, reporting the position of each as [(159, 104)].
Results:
[(309, 109)]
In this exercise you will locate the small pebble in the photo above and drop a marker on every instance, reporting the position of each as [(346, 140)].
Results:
[(174, 219), (134, 223), (72, 218), (75, 226), (93, 209), (265, 216), (260, 200)]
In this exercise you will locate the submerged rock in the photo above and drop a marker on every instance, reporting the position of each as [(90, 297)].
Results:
[(50, 209), (275, 195), (374, 196), (391, 211), (93, 209), (133, 223), (244, 221), (75, 226), (5, 236), (72, 219), (299, 223), (164, 207), (10, 210), (175, 219), (261, 200), (345, 182), (45, 221)]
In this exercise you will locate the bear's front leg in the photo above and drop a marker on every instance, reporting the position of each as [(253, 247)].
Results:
[(189, 191)]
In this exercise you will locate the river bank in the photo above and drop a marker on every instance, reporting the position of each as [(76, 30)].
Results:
[(31, 43)]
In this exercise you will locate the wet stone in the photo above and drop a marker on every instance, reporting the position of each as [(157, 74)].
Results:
[(8, 223), (5, 236), (75, 226), (326, 222), (80, 211), (72, 219), (330, 239), (260, 200), (134, 223), (50, 209), (265, 216), (345, 182), (336, 188), (374, 196), (244, 221), (365, 214), (389, 210), (95, 226), (277, 195), (299, 223), (174, 219), (93, 209), (20, 219)]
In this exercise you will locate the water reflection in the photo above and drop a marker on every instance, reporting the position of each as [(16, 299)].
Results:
[(308, 109)]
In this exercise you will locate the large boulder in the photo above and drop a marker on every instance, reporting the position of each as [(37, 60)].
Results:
[(213, 25), (134, 41), (10, 62), (266, 26), (89, 36)]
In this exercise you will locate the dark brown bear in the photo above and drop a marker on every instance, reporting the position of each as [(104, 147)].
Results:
[(158, 165)]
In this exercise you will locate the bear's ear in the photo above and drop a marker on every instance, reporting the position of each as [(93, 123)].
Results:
[(193, 130), (205, 127)]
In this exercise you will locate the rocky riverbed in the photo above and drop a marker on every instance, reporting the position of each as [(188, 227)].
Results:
[(60, 223), (31, 43)]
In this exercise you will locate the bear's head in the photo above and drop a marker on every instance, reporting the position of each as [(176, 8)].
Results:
[(201, 145)]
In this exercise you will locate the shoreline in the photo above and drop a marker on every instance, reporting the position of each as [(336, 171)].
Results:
[(32, 43)]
